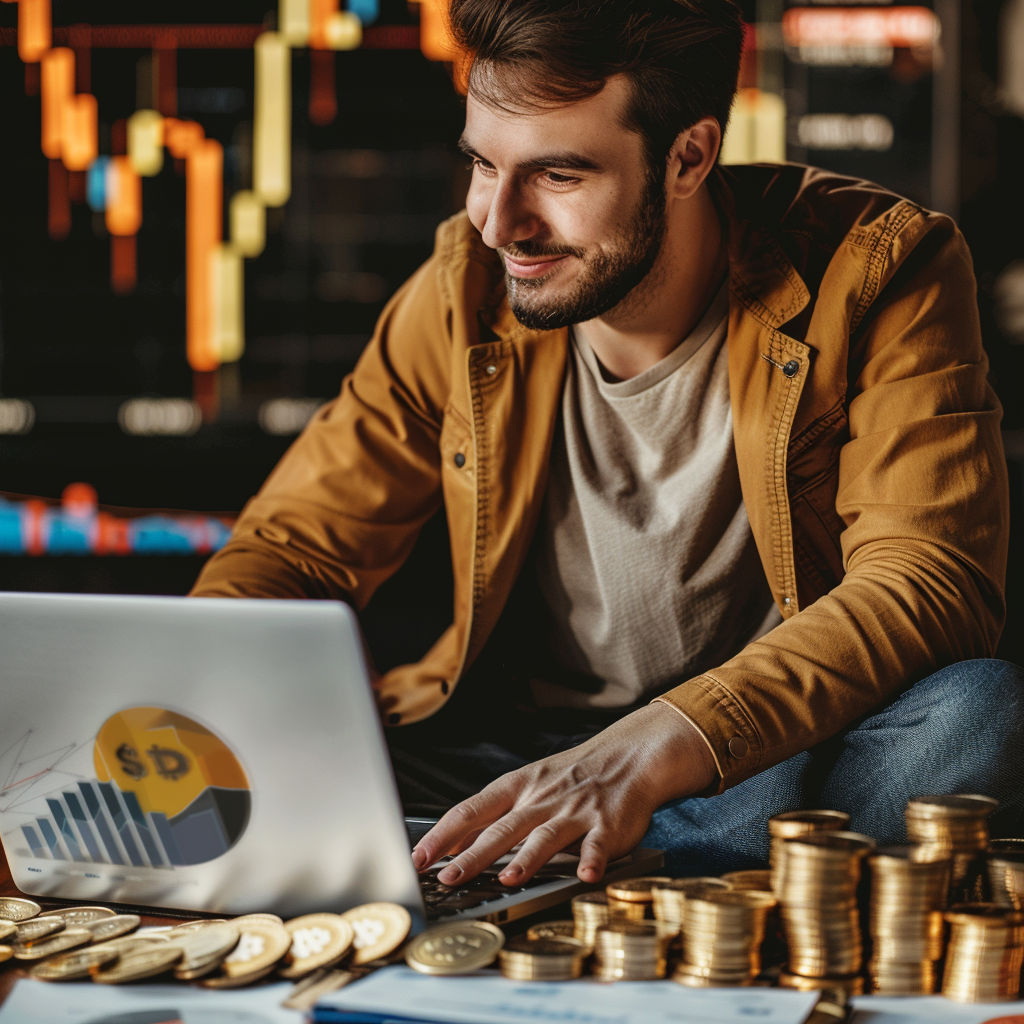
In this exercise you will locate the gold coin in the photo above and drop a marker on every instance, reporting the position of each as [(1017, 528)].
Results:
[(67, 939), (13, 908), (552, 930), (257, 917), (7, 928), (201, 947), (130, 944), (37, 928), (236, 981), (78, 916), (455, 948), (308, 992), (380, 928), (5, 953), (144, 963), (76, 964), (191, 926), (260, 946), (751, 881), (635, 890), (113, 927), (318, 940)]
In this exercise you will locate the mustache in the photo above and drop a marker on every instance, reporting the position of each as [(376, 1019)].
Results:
[(532, 250)]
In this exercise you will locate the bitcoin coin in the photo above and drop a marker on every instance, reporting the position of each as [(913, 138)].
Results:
[(37, 928), (318, 940), (71, 966), (113, 927), (257, 917), (260, 946), (7, 928), (379, 928), (455, 948), (5, 953), (78, 916), (13, 908), (203, 947), (59, 943), (144, 963)]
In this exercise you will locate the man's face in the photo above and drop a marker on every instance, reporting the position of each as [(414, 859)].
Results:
[(566, 197)]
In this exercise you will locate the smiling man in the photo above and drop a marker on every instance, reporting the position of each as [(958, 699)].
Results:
[(722, 474)]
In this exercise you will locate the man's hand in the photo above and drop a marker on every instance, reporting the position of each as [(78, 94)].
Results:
[(600, 795)]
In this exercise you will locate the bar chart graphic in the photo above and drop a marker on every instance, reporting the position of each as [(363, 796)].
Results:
[(167, 792)]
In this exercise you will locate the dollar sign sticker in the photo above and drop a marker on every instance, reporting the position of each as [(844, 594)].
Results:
[(170, 764), (130, 763)]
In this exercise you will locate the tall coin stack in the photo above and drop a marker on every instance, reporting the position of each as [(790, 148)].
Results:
[(792, 825), (1006, 877), (986, 950), (526, 959), (819, 903), (670, 897), (589, 912), (722, 934), (908, 897), (628, 951), (954, 826)]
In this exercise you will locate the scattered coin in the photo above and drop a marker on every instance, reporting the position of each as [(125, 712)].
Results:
[(308, 992), (203, 947), (71, 966), (37, 928), (59, 943), (379, 928), (260, 946), (318, 940), (78, 916), (257, 917), (455, 948), (112, 927), (130, 944), (7, 928), (144, 963), (13, 908), (5, 953), (237, 981)]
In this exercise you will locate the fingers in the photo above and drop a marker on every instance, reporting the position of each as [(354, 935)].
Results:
[(493, 842), (547, 839), (462, 821), (593, 857)]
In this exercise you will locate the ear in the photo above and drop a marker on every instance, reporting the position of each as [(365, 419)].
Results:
[(692, 157)]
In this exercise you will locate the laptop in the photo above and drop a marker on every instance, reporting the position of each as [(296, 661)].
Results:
[(216, 756)]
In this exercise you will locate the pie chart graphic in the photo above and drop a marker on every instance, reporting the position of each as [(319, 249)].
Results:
[(178, 776)]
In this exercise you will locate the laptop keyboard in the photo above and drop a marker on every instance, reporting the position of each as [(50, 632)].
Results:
[(444, 900)]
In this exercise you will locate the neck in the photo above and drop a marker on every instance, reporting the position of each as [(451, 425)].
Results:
[(666, 306)]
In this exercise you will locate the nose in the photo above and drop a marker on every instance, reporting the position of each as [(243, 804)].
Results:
[(501, 214)]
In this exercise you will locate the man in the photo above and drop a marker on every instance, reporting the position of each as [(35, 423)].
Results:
[(722, 473)]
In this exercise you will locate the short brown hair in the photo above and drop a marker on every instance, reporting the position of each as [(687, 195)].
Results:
[(681, 57)]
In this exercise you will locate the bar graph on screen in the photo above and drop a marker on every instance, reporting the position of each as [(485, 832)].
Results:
[(165, 792)]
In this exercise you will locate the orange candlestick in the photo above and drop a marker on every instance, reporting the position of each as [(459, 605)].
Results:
[(58, 86), (79, 143), (182, 138), (35, 29), (124, 197), (204, 210), (320, 12)]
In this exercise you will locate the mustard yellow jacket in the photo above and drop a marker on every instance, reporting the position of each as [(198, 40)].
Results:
[(867, 439)]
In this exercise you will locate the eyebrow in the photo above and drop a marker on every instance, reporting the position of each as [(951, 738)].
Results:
[(565, 160)]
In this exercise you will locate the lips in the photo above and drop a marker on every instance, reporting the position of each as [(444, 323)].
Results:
[(532, 267)]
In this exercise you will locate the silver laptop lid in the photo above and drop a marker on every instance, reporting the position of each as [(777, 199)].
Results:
[(209, 755)]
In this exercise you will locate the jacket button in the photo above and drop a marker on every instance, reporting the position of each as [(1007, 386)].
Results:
[(491, 370), (460, 459), (792, 368), (394, 718), (738, 746)]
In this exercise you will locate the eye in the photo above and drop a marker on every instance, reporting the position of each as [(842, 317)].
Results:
[(476, 164), (561, 179)]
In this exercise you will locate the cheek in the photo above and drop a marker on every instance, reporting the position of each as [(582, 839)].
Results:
[(478, 203)]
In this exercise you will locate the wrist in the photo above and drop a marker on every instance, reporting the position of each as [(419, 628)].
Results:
[(686, 765)]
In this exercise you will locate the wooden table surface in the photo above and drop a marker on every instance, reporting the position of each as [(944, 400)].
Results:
[(12, 969)]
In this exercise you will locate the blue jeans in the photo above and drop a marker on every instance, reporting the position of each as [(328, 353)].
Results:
[(957, 731)]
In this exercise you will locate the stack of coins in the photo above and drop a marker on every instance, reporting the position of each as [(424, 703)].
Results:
[(589, 912), (722, 934), (633, 898), (670, 897), (628, 951), (986, 950), (749, 881), (526, 959), (792, 825), (954, 826), (908, 897), (819, 903), (1006, 877)]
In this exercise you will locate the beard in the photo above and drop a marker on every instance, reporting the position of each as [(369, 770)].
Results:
[(607, 276)]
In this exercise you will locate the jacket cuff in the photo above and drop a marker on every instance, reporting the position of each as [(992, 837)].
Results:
[(725, 725)]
